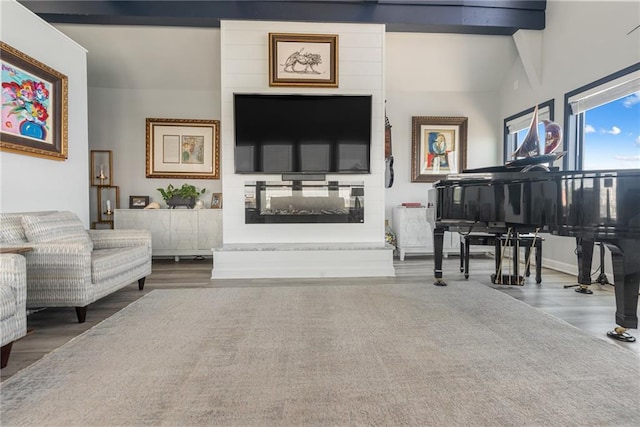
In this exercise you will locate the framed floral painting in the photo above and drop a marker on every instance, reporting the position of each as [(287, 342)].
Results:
[(34, 106), (439, 147)]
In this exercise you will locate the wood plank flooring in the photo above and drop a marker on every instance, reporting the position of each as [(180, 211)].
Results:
[(594, 314)]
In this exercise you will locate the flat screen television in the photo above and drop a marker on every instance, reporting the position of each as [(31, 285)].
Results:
[(302, 133)]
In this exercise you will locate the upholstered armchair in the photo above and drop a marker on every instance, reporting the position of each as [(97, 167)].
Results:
[(73, 267), (13, 297)]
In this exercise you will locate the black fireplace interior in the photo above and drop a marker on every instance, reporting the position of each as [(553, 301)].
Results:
[(304, 202)]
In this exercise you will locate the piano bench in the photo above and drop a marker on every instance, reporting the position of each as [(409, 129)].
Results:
[(498, 240)]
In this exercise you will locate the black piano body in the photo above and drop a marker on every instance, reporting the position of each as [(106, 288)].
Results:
[(602, 206)]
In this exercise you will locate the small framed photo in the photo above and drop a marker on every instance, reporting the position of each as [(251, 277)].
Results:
[(138, 202), (303, 60), (216, 201)]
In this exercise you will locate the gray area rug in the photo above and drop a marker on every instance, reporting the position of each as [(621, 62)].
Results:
[(388, 355)]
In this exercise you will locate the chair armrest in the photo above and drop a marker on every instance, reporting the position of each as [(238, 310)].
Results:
[(120, 238), (13, 273)]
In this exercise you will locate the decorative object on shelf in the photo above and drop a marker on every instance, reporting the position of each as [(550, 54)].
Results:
[(138, 202), (101, 178), (530, 146), (181, 196), (181, 148), (303, 60), (101, 167), (439, 147), (216, 201), (553, 136), (34, 106), (389, 234), (153, 205)]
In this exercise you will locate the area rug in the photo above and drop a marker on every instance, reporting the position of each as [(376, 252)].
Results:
[(335, 355)]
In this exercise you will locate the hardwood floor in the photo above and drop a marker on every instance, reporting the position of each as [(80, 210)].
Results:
[(594, 314)]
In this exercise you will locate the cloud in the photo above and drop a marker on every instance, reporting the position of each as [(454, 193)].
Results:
[(589, 129), (628, 158), (638, 140), (615, 130), (631, 100)]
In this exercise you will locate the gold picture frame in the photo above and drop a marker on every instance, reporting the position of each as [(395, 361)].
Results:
[(34, 106), (438, 147), (303, 60), (183, 148)]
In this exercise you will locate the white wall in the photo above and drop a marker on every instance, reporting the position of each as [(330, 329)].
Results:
[(443, 75), (30, 183), (176, 72), (583, 41), (147, 72), (245, 59)]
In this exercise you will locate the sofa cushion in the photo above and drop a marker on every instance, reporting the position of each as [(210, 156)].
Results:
[(109, 263), (11, 231), (64, 227)]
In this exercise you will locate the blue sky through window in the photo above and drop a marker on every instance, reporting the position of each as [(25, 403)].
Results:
[(612, 135)]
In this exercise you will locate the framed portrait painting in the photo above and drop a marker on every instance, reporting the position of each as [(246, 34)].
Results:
[(438, 147), (34, 106), (183, 148), (303, 60)]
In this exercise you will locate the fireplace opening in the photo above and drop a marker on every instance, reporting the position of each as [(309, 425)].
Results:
[(268, 202)]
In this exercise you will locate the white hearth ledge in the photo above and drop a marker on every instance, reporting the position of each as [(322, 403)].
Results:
[(281, 260)]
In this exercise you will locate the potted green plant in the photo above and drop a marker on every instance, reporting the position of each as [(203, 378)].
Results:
[(181, 196)]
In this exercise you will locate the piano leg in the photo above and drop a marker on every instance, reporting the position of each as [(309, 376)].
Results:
[(584, 251), (438, 248), (625, 256)]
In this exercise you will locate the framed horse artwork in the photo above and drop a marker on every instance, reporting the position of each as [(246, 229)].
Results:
[(304, 60)]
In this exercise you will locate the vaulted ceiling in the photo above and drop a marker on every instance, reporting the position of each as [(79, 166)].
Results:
[(488, 17)]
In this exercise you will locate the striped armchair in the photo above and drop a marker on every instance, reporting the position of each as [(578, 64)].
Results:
[(73, 267), (13, 297)]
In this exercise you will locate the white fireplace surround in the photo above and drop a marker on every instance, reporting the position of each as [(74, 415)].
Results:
[(310, 249)]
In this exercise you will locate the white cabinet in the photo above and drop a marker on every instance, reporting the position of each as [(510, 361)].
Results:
[(414, 233), (176, 232)]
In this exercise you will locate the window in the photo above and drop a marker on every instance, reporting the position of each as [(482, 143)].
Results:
[(602, 123), (517, 126)]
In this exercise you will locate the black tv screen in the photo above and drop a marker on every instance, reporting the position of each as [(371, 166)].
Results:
[(302, 133)]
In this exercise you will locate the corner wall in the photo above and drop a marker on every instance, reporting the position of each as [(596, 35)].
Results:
[(31, 183)]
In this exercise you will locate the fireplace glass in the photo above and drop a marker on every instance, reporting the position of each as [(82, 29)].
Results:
[(268, 202)]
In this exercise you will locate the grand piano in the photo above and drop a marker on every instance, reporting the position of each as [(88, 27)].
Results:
[(590, 206)]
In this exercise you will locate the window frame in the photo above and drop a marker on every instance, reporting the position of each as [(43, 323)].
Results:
[(573, 140)]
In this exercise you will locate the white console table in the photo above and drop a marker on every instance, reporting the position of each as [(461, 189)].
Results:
[(176, 232), (414, 233)]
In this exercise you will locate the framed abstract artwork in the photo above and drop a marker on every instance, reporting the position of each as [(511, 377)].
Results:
[(34, 106), (303, 60), (438, 147), (183, 148)]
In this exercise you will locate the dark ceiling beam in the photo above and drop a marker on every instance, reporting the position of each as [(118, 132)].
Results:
[(491, 17)]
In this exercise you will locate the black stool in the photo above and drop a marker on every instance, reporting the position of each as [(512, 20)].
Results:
[(499, 240)]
